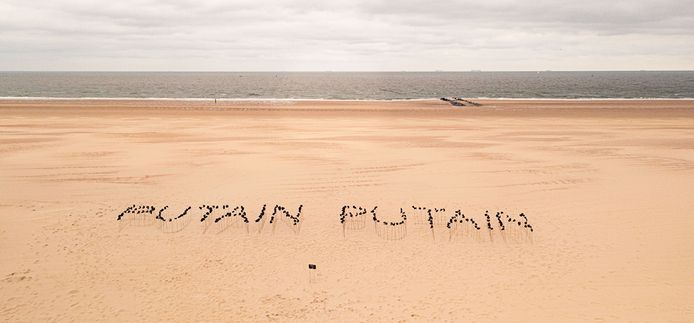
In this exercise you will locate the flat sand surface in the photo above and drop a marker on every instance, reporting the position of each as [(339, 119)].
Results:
[(608, 187)]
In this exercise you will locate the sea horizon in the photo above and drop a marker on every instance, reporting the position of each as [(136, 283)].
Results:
[(374, 85)]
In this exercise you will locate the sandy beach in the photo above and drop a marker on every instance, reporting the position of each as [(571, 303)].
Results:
[(608, 186)]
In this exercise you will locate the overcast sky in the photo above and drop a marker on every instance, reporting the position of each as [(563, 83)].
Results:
[(305, 35)]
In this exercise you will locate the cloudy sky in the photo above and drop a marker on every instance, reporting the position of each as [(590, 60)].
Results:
[(336, 35)]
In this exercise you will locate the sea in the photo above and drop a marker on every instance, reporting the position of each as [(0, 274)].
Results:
[(349, 85)]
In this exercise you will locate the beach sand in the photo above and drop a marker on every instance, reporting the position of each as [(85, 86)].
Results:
[(608, 187)]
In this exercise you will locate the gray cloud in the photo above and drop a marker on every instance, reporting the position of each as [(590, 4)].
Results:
[(346, 35)]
